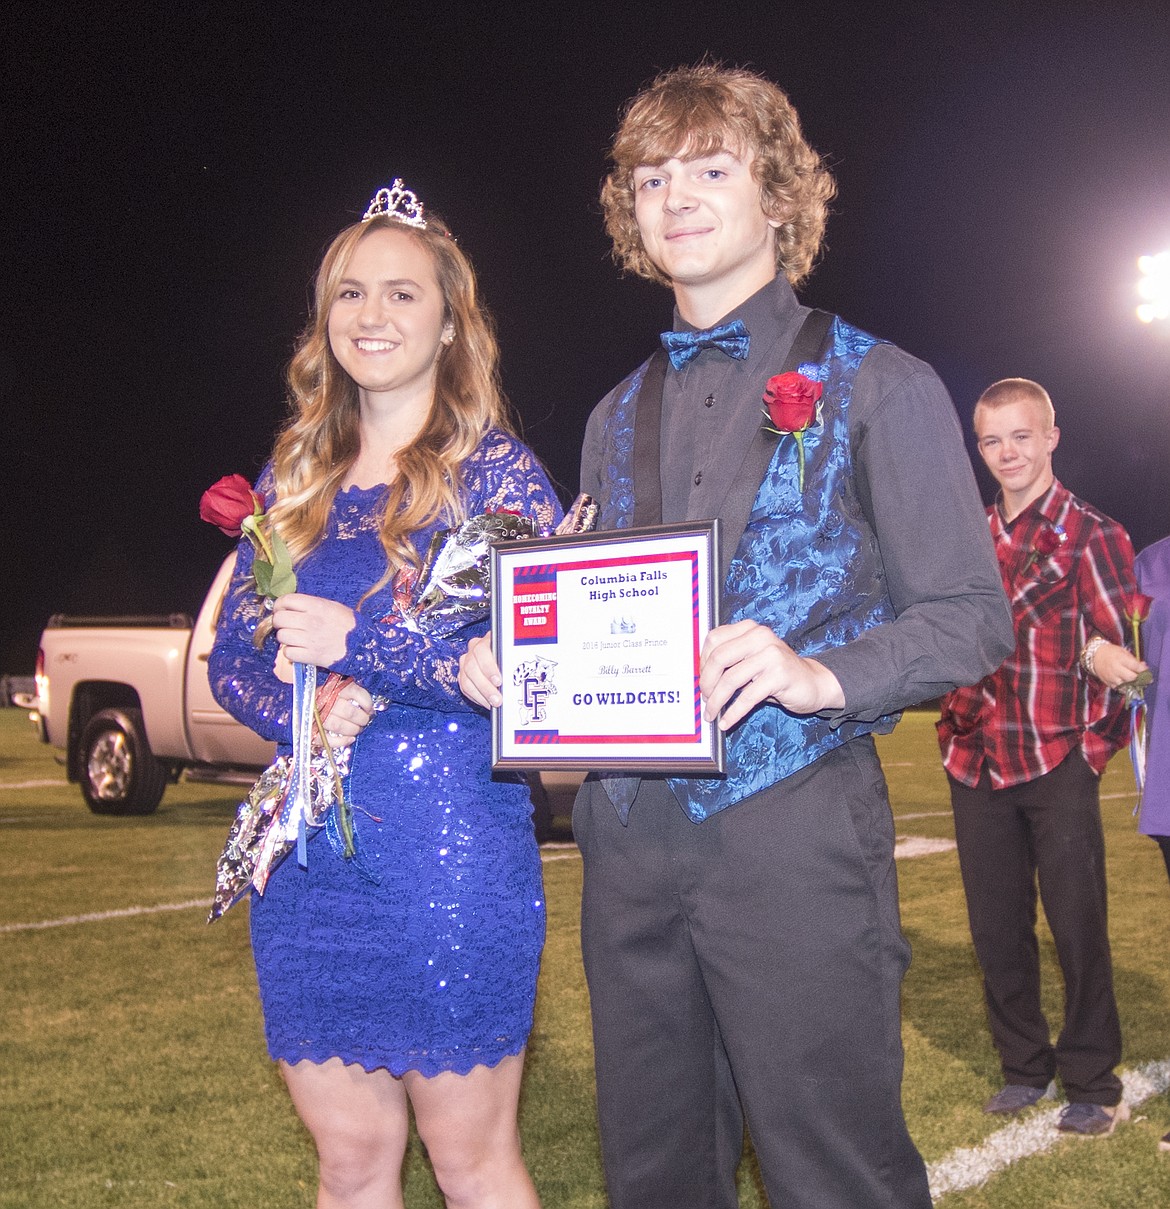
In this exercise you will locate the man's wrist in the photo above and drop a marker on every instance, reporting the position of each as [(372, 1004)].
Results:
[(829, 693)]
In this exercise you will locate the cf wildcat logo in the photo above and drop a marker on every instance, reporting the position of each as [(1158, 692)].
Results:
[(534, 679)]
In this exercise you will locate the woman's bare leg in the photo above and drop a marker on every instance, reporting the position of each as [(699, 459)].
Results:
[(359, 1120), (468, 1125)]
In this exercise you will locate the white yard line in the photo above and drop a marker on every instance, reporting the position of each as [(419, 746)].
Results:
[(95, 917), (968, 1167), (32, 784), (907, 846), (99, 916)]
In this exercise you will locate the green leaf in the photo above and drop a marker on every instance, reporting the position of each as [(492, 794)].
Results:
[(262, 570), (284, 578)]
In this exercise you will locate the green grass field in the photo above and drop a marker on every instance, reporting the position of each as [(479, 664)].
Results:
[(133, 1070)]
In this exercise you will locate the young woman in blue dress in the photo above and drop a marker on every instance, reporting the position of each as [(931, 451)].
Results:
[(402, 978)]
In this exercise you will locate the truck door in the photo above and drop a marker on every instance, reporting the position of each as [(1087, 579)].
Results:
[(216, 737)]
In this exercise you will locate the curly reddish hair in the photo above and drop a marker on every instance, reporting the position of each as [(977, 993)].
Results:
[(696, 111)]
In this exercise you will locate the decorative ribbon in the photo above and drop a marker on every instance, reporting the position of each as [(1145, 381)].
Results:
[(298, 806), (1137, 747), (730, 338), (296, 809)]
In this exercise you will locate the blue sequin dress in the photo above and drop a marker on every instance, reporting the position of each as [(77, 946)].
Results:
[(433, 967)]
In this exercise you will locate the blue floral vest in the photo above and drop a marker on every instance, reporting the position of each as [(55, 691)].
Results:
[(802, 568)]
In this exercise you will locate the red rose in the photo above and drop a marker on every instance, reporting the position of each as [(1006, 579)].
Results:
[(792, 401), (227, 503), (1137, 607), (1045, 543)]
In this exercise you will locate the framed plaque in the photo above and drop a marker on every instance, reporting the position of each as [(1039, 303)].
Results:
[(598, 637)]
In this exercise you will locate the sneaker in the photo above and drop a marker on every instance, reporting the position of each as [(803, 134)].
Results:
[(1015, 1097), (1092, 1120)]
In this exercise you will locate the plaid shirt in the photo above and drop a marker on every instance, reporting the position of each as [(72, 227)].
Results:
[(1067, 571)]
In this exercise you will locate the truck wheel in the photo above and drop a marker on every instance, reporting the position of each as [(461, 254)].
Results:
[(119, 775)]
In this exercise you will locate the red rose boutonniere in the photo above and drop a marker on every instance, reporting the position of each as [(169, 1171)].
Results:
[(1047, 542), (793, 407)]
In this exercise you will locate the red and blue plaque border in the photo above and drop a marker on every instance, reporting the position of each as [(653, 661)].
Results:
[(532, 619)]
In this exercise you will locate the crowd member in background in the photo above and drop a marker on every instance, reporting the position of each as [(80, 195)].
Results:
[(1024, 751), (1153, 576), (403, 976), (1152, 566)]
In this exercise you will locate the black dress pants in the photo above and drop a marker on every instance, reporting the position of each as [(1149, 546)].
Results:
[(754, 959), (1047, 829)]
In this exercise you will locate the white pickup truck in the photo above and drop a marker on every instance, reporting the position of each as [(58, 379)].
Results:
[(127, 700)]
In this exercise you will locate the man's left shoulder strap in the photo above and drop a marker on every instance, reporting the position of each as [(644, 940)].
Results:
[(810, 341)]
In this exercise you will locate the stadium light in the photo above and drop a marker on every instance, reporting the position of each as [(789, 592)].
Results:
[(1154, 287)]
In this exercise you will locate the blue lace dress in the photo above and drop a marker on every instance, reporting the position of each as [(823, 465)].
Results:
[(433, 966)]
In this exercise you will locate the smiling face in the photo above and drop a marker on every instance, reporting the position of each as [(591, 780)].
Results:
[(1016, 441), (703, 224), (387, 319)]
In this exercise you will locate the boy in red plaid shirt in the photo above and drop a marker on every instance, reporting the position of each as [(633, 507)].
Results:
[(1024, 750)]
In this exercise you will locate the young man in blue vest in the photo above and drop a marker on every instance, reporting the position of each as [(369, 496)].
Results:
[(741, 934)]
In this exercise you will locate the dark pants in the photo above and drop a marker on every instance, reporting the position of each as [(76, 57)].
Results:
[(755, 959), (1048, 828)]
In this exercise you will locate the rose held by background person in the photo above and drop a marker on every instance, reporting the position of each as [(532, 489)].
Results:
[(1137, 610), (228, 503)]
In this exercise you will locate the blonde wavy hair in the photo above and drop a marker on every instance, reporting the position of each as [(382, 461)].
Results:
[(320, 442), (696, 111)]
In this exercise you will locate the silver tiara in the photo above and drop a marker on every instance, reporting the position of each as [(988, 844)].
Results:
[(398, 203)]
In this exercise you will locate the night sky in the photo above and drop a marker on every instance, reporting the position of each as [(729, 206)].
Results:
[(174, 173)]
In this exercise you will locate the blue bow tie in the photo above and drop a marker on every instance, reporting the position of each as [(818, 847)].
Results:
[(684, 347)]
